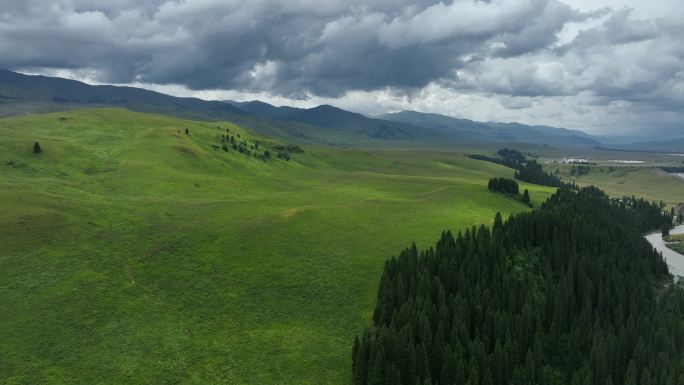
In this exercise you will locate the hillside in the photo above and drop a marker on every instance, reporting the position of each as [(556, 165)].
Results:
[(327, 125), (23, 93), (133, 252), (333, 118), (497, 132)]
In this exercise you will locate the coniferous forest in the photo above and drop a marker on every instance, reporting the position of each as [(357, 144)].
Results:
[(527, 170), (570, 293), (504, 185)]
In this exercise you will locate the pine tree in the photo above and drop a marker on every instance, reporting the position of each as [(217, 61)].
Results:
[(376, 375), (665, 229), (360, 361), (36, 148), (568, 294), (498, 222)]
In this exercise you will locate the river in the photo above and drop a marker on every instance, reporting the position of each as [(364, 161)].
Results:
[(674, 260)]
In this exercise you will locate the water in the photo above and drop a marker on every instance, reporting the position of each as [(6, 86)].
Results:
[(674, 260)]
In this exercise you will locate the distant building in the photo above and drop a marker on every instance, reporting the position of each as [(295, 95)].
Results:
[(575, 161)]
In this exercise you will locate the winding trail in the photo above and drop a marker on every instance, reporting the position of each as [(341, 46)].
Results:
[(674, 260)]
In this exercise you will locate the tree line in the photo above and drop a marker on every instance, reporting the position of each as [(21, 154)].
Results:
[(527, 170), (508, 187), (504, 185), (253, 148), (569, 294), (579, 170)]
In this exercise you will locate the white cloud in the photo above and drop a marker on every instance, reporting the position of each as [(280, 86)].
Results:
[(572, 63)]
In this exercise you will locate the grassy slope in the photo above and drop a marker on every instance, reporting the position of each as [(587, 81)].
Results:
[(131, 253), (677, 243), (646, 182)]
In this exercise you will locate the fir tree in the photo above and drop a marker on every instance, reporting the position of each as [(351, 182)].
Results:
[(526, 197), (567, 294)]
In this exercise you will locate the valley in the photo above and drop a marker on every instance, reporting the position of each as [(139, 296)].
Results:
[(266, 192), (128, 244)]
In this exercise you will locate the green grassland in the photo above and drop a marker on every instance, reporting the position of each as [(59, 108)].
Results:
[(617, 180), (133, 253), (676, 242)]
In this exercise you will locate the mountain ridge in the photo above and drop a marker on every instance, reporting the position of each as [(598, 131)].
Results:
[(496, 131), (440, 126), (323, 124)]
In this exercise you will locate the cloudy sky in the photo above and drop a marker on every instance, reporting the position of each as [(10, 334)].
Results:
[(612, 66)]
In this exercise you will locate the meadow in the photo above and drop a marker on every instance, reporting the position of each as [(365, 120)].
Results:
[(133, 253), (646, 181), (676, 243)]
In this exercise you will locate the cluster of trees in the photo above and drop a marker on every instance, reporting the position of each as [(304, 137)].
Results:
[(568, 294), (580, 170), (509, 187), (673, 170), (253, 148), (647, 214), (504, 185), (507, 157), (532, 172), (291, 148), (527, 170)]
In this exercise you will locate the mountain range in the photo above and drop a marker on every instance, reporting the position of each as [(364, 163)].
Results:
[(325, 124), (406, 125), (493, 131)]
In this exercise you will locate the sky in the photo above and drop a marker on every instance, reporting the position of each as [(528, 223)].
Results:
[(606, 67)]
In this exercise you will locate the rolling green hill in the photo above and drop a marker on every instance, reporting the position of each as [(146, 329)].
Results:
[(134, 253)]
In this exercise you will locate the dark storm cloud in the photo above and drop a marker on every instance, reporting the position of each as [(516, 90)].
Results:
[(630, 59), (539, 58), (292, 48)]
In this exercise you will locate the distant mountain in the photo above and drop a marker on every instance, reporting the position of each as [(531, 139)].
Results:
[(20, 94), (665, 146), (328, 125), (333, 118), (265, 110), (423, 126), (492, 131), (28, 93)]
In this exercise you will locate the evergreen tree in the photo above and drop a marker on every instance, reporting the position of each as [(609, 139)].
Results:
[(527, 170), (498, 222), (36, 148), (526, 197), (666, 230), (570, 293)]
